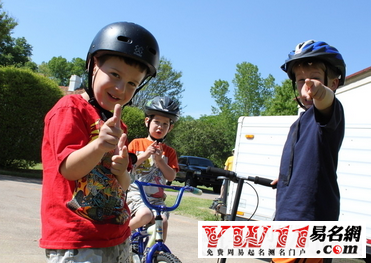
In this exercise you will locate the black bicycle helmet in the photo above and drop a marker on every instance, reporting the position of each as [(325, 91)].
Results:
[(128, 40), (319, 50), (164, 106)]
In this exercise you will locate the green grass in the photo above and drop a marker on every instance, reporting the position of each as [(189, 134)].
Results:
[(191, 206), (194, 207), (33, 172)]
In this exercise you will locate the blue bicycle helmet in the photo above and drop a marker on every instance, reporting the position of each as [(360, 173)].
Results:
[(319, 50)]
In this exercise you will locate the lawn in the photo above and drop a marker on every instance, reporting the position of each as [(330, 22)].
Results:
[(192, 206)]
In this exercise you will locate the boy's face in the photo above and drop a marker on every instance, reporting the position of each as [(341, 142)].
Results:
[(115, 82), (309, 72), (159, 126)]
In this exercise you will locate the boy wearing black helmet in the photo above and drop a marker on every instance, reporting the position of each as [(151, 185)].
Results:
[(307, 188), (157, 162), (84, 152)]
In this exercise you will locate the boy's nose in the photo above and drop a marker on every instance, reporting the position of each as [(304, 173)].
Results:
[(120, 87)]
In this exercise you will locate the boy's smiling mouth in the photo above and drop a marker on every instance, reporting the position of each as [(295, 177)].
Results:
[(113, 97)]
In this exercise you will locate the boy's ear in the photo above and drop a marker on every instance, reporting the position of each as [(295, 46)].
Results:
[(171, 127), (146, 120), (334, 84), (95, 65)]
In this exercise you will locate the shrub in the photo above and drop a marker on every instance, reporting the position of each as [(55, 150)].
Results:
[(134, 119), (25, 98)]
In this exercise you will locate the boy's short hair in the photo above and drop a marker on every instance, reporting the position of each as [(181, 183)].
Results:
[(331, 71), (130, 61)]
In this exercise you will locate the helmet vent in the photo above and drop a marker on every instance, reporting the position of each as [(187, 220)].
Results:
[(153, 51), (125, 39)]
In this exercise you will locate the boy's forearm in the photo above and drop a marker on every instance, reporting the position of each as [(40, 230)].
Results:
[(141, 158), (124, 180), (168, 172), (324, 103), (80, 162)]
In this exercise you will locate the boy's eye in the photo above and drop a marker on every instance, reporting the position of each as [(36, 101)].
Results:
[(133, 84), (300, 81), (115, 74)]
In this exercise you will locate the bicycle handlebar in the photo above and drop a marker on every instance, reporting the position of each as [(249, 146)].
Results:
[(233, 176), (181, 190)]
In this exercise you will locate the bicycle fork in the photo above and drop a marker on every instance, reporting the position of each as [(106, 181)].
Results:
[(156, 232)]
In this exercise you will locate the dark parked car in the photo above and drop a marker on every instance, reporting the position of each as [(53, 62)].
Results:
[(192, 171)]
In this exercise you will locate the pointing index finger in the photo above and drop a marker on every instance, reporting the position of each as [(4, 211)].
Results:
[(117, 114)]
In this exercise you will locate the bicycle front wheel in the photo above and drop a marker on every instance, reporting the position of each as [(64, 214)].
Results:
[(164, 257)]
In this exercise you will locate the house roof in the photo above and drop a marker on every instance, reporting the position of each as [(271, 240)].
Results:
[(358, 75)]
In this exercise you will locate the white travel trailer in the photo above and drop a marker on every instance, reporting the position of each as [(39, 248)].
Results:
[(259, 144)]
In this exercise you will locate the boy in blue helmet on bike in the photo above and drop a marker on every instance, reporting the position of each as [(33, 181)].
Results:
[(307, 188)]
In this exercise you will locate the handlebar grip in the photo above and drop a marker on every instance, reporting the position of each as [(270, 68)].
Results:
[(221, 172), (196, 191), (261, 181)]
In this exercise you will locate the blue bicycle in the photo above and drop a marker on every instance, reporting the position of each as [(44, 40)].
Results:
[(147, 244)]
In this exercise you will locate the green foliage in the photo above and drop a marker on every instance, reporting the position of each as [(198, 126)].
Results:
[(60, 70), (203, 137), (283, 101), (251, 90), (194, 207), (227, 115), (25, 99), (78, 68), (13, 51), (219, 93), (167, 82), (134, 119)]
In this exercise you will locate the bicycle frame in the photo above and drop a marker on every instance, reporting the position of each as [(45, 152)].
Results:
[(229, 175), (150, 241)]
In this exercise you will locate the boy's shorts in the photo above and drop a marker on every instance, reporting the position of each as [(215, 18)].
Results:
[(115, 254), (135, 203)]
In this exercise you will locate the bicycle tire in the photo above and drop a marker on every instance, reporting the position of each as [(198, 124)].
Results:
[(165, 257)]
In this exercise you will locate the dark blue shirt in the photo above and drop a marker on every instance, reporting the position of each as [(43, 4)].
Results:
[(308, 191)]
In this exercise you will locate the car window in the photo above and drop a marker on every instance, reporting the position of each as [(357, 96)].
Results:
[(182, 161), (193, 161), (205, 163), (200, 162)]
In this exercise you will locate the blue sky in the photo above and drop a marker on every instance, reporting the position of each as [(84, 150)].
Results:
[(203, 39)]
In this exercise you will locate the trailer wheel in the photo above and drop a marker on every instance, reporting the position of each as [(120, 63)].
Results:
[(216, 189)]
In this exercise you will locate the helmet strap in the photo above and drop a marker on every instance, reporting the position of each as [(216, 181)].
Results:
[(296, 97), (103, 113), (145, 82), (152, 138)]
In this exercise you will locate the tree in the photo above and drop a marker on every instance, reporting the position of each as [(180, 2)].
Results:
[(226, 115), (251, 90), (167, 82), (250, 96), (78, 66), (283, 101), (60, 69), (13, 51), (134, 119), (203, 137), (219, 93)]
